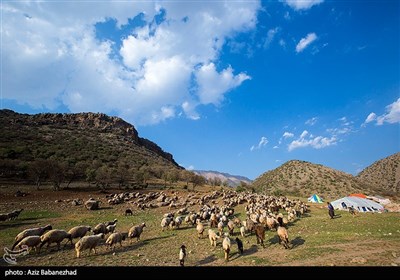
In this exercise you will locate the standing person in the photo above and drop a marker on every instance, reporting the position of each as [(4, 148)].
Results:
[(331, 210), (182, 255)]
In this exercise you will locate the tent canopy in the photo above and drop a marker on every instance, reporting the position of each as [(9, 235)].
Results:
[(315, 198), (361, 195), (359, 204)]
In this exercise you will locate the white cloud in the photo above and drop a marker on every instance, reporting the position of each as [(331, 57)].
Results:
[(318, 142), (262, 143), (213, 85), (305, 42), (275, 147), (303, 134), (311, 121), (371, 117), (287, 135), (391, 115), (302, 4), (270, 36), (52, 56)]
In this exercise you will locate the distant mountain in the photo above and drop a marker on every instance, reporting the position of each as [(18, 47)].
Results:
[(383, 174), (302, 178), (233, 180)]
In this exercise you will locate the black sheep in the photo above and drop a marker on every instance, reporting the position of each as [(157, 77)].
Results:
[(240, 245)]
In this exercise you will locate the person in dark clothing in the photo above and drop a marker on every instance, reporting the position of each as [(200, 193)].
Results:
[(331, 210)]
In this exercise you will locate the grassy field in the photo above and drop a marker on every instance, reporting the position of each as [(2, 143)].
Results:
[(365, 240)]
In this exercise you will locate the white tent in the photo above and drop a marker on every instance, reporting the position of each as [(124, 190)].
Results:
[(359, 204), (379, 199)]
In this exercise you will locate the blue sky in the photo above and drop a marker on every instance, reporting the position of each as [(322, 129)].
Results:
[(233, 86)]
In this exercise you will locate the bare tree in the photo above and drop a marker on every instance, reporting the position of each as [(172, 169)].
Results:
[(38, 171)]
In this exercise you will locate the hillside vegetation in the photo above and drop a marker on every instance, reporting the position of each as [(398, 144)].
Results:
[(62, 148), (303, 178), (384, 174)]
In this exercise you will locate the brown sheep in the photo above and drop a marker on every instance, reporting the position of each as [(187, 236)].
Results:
[(260, 234), (29, 232), (283, 234)]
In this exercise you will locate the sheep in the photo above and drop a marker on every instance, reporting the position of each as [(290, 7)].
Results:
[(79, 231), (3, 217), (29, 232), (260, 234), (100, 228), (178, 221), (199, 228), (220, 228), (243, 231), (239, 245), (136, 231), (213, 237), (30, 241), (182, 255), (54, 236), (226, 245), (88, 242), (231, 227), (110, 228), (165, 222), (14, 214), (283, 234), (128, 212), (111, 223), (213, 220), (115, 238)]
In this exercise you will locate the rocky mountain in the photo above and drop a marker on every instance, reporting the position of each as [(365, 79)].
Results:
[(302, 178), (92, 138), (232, 180), (384, 174)]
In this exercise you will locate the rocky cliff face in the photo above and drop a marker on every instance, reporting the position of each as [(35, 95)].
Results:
[(82, 121)]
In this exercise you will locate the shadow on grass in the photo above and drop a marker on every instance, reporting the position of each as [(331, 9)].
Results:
[(207, 260), (253, 249), (22, 222), (298, 241), (274, 240)]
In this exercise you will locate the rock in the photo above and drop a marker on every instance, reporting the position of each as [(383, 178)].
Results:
[(359, 260), (394, 264), (92, 204), (114, 254), (394, 254)]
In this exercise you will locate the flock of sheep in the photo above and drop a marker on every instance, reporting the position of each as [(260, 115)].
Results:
[(263, 212), (40, 236)]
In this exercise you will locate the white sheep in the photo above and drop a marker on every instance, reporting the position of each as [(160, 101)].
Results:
[(199, 228), (88, 242), (29, 232), (116, 237), (165, 222), (226, 245), (32, 241), (110, 228), (243, 231), (213, 237), (136, 231)]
